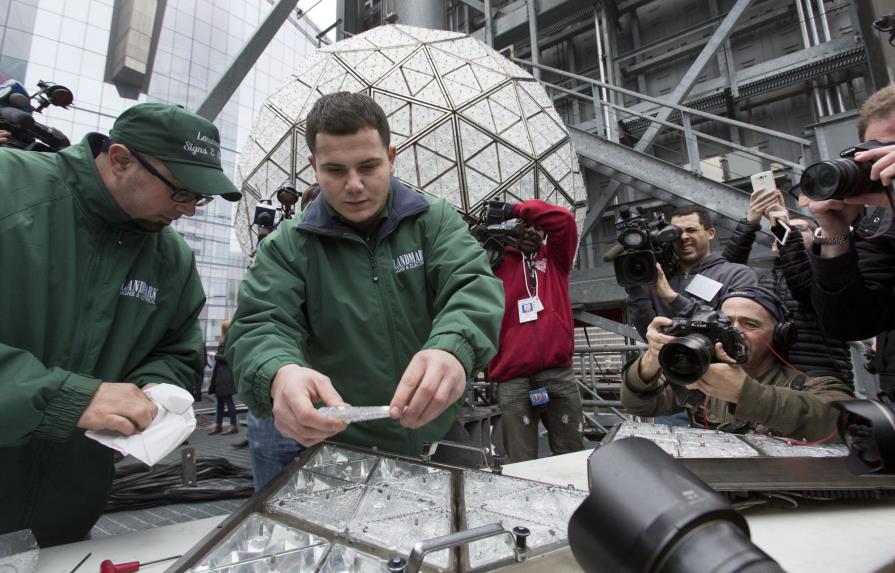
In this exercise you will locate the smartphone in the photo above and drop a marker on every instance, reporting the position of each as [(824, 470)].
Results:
[(763, 181), (781, 232)]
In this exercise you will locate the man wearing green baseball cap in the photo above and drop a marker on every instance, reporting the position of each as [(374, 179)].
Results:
[(100, 299)]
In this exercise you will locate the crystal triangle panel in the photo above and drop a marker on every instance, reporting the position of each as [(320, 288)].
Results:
[(510, 162), (370, 65), (272, 128), (472, 140), (290, 99), (480, 113), (517, 135), (485, 162)]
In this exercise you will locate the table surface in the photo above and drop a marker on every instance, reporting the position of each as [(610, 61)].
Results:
[(858, 537)]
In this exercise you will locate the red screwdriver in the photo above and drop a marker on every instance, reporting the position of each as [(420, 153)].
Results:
[(129, 566)]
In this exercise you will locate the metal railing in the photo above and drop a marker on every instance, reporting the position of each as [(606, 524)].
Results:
[(600, 388), (691, 136)]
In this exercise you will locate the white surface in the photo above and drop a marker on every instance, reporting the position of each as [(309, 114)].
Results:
[(823, 537), (835, 536), (141, 546)]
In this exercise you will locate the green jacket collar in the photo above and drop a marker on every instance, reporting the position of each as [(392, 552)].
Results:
[(79, 171), (402, 202)]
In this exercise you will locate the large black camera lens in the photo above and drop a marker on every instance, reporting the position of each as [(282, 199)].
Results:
[(647, 513), (637, 268), (686, 358), (837, 179)]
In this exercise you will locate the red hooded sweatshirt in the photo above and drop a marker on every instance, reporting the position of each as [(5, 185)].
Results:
[(526, 348)]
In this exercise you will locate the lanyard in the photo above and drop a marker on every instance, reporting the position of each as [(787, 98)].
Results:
[(531, 276)]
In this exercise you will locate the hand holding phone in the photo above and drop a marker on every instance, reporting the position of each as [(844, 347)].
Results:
[(763, 196), (781, 231)]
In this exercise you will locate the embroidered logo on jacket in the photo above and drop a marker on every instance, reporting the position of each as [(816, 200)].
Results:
[(541, 265), (409, 261), (140, 290)]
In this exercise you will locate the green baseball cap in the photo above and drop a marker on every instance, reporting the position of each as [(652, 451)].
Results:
[(188, 145)]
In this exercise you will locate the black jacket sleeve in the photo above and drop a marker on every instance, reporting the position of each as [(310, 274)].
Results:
[(853, 293), (739, 246), (797, 269)]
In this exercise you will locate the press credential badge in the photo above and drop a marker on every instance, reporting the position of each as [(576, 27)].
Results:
[(528, 310)]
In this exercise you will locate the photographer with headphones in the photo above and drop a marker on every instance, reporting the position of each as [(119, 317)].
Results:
[(764, 394)]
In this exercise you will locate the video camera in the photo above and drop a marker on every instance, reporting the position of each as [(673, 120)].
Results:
[(265, 217), (840, 178), (644, 243), (685, 358), (16, 116), (496, 228)]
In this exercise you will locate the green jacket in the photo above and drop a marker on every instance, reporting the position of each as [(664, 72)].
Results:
[(358, 308), (781, 402), (85, 298)]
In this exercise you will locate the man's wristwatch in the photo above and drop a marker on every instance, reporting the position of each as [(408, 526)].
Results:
[(840, 240)]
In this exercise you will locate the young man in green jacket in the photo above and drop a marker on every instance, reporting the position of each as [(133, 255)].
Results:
[(99, 298), (375, 296)]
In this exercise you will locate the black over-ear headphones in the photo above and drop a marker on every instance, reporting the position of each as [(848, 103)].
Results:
[(785, 331)]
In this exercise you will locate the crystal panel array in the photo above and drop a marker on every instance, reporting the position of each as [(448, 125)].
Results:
[(357, 497), (682, 442)]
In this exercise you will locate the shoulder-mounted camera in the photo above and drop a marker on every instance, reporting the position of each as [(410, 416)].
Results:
[(645, 242), (496, 228), (16, 116)]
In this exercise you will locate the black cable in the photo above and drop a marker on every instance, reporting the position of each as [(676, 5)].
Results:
[(137, 486)]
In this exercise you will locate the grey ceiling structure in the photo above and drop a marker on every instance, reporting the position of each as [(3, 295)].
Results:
[(469, 124)]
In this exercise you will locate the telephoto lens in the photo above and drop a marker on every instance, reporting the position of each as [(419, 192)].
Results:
[(837, 179), (686, 358), (647, 513)]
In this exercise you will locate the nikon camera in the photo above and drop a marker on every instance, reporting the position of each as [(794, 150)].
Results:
[(685, 358)]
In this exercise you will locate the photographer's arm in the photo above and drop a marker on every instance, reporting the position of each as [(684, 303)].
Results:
[(739, 247), (642, 392), (559, 225), (640, 308), (804, 414), (852, 293), (796, 267)]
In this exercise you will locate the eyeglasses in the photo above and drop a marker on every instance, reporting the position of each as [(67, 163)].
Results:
[(178, 195)]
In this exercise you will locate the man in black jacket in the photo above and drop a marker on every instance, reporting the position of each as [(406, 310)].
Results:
[(813, 352), (853, 294), (700, 278)]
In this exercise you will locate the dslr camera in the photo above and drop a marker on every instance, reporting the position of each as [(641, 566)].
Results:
[(496, 228), (840, 178), (644, 242), (685, 358)]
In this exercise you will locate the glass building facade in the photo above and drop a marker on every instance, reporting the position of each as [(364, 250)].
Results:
[(67, 42)]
